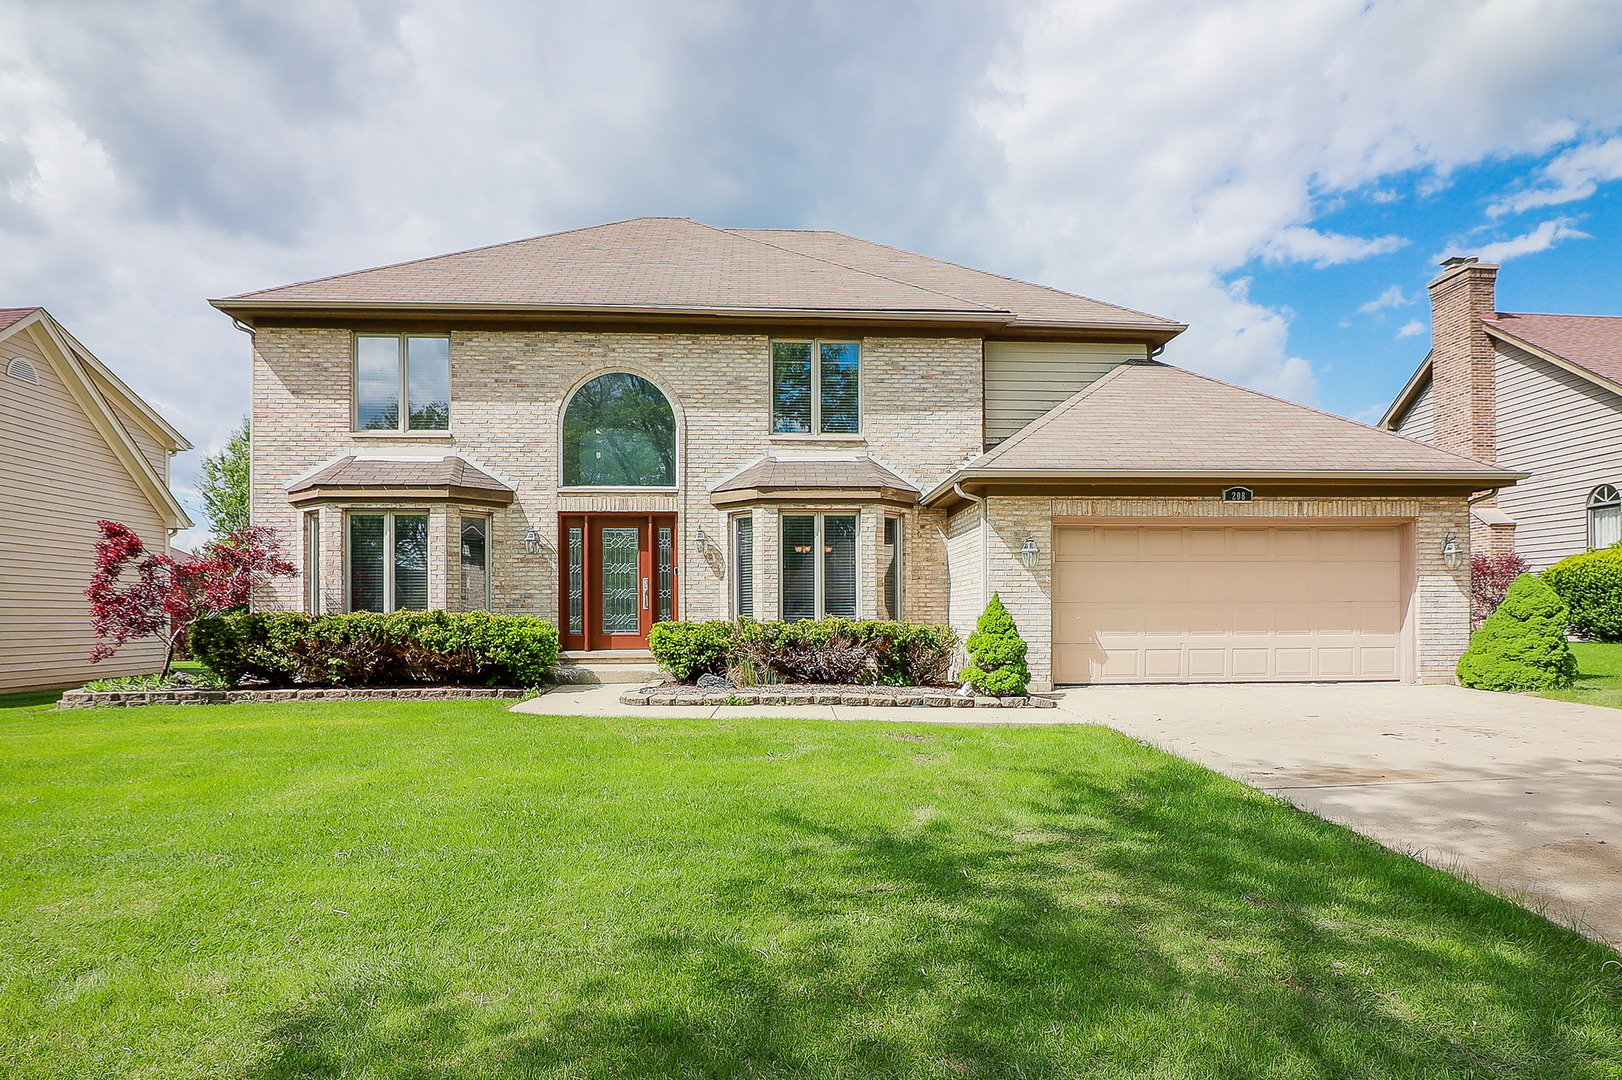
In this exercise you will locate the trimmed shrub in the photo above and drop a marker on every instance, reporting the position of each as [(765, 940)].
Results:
[(372, 649), (997, 653), (852, 651), (690, 649), (1591, 585), (1523, 645), (1490, 578)]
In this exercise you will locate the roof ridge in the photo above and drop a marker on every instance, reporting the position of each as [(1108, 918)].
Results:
[(1546, 315), (856, 269), (990, 274), (452, 254)]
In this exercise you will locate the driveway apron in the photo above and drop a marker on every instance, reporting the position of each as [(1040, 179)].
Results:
[(1522, 793)]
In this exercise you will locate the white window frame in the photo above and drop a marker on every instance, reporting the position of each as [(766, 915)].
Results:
[(738, 569), (388, 517), (818, 565), (816, 431), (489, 558), (1603, 497), (312, 562), (403, 426), (899, 614)]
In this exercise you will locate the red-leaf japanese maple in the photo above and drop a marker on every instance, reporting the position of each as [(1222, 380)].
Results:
[(1490, 578), (167, 595)]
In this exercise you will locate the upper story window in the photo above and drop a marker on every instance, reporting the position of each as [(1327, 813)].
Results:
[(816, 387), (391, 368), (1604, 516), (619, 431)]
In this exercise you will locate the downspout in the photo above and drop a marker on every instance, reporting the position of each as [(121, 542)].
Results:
[(985, 549)]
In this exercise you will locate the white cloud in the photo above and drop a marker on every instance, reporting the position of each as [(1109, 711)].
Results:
[(1392, 297), (1141, 151), (1575, 174), (1542, 238), (1412, 328)]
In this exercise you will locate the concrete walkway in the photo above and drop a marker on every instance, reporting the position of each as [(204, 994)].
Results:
[(1521, 793)]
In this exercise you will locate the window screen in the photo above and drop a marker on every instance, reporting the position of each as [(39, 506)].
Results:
[(390, 365), (816, 387), (839, 388), (377, 383), (743, 565), (890, 570), (791, 387), (410, 562)]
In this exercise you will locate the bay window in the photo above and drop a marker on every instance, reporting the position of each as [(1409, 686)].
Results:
[(388, 561), (475, 563), (395, 368), (818, 561), (816, 387), (890, 569), (743, 567)]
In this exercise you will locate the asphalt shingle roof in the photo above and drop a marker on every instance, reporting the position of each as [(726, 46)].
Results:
[(1589, 341), (358, 472), (680, 265), (778, 474), (1149, 418)]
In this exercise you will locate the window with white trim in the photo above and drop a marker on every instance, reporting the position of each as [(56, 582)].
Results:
[(387, 557), (743, 566), (1604, 516), (818, 562), (816, 387), (890, 568), (395, 368)]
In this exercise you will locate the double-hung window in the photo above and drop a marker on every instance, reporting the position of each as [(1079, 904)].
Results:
[(395, 368), (816, 388), (475, 563), (388, 561), (818, 565), (743, 566)]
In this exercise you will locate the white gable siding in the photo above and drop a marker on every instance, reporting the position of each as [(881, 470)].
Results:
[(1024, 379), (59, 476), (1567, 433), (1420, 423)]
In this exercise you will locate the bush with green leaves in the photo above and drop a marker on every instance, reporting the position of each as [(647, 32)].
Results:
[(372, 649), (860, 652), (1591, 585), (997, 654), (690, 649), (1522, 645)]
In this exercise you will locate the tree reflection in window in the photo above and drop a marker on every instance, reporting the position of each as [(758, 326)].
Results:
[(619, 431)]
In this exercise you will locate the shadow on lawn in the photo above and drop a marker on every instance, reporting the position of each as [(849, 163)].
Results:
[(1260, 941)]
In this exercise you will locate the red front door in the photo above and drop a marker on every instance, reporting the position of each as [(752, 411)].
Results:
[(618, 578)]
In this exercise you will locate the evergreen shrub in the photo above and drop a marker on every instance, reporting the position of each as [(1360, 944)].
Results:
[(1522, 645), (997, 653), (833, 650), (368, 648), (1591, 585)]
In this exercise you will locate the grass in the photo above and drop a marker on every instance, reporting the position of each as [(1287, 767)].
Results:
[(445, 889), (1599, 675)]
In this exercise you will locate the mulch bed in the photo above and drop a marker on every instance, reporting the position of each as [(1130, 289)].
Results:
[(938, 697)]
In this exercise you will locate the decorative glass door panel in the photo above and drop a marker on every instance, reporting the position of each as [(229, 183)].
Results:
[(617, 577), (619, 573)]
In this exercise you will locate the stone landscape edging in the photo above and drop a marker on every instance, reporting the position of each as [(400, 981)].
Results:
[(751, 697), (94, 699)]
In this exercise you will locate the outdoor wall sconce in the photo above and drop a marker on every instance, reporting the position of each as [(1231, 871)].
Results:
[(534, 545), (1452, 554), (1028, 552), (710, 550)]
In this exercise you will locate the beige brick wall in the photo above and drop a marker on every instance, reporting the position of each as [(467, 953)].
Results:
[(1440, 601), (508, 389), (1462, 381)]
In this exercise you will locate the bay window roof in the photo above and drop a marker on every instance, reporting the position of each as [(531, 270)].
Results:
[(376, 479), (812, 479)]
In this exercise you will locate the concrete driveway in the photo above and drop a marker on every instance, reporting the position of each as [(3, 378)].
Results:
[(1522, 793)]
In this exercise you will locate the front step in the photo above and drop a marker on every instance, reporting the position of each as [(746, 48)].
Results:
[(614, 671)]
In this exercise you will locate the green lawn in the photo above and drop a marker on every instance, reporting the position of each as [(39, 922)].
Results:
[(1599, 675), (420, 890)]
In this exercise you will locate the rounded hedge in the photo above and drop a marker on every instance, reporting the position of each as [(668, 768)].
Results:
[(1591, 585), (1522, 645)]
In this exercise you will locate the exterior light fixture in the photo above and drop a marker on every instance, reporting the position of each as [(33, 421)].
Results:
[(534, 545), (1452, 553), (1028, 552)]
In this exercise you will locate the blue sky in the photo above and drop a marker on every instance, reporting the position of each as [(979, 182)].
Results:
[(1281, 176)]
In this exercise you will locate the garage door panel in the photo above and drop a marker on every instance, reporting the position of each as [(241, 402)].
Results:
[(1219, 603)]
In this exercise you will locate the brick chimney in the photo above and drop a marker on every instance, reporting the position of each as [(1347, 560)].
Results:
[(1461, 359)]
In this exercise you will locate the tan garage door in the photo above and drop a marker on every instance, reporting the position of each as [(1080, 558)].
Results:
[(1226, 604)]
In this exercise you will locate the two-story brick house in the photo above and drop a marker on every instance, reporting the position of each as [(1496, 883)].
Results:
[(660, 419)]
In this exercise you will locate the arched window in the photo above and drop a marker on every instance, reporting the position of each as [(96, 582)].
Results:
[(619, 431), (1604, 516)]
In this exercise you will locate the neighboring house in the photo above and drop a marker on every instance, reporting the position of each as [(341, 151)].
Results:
[(76, 446), (1540, 393), (659, 419)]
